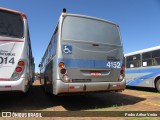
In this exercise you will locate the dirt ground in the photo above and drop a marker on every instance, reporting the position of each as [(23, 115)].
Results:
[(36, 100)]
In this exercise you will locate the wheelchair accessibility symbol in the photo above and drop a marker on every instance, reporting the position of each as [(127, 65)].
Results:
[(67, 49)]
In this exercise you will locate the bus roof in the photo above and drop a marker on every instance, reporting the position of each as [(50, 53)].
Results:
[(14, 11), (142, 51), (90, 17)]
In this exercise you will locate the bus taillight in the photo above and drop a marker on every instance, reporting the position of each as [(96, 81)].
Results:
[(18, 69), (61, 65), (63, 71), (122, 73), (122, 69), (21, 63)]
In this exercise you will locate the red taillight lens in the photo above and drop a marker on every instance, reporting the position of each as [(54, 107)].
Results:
[(63, 71), (18, 69), (21, 63), (122, 69)]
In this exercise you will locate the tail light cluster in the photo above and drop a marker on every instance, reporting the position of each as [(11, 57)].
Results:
[(18, 71), (20, 66), (63, 71), (122, 69), (122, 73)]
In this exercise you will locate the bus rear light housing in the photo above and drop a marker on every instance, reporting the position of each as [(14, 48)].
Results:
[(61, 65), (122, 70), (66, 78), (21, 63), (122, 73), (15, 76), (63, 71), (18, 69)]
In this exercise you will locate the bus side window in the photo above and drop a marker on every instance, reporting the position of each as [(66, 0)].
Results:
[(147, 59), (151, 58), (53, 46), (54, 39), (156, 57), (49, 51), (133, 61), (157, 60)]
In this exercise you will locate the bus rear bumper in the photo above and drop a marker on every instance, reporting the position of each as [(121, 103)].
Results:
[(18, 85), (65, 88)]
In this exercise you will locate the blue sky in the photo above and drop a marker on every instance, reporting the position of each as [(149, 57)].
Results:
[(139, 20)]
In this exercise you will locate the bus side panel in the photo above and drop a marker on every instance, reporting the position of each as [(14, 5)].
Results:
[(142, 77), (48, 76)]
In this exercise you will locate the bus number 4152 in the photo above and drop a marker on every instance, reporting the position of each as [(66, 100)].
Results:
[(114, 65), (6, 60)]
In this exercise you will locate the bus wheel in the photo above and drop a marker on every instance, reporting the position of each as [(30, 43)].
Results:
[(158, 85), (45, 87)]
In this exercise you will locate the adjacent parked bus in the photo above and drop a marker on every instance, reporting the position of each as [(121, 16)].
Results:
[(143, 68), (16, 60), (85, 54)]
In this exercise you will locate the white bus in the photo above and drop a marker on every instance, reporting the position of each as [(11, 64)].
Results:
[(16, 60), (143, 68), (85, 54)]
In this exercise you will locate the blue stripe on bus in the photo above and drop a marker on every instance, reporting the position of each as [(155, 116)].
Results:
[(152, 72), (80, 63), (143, 70)]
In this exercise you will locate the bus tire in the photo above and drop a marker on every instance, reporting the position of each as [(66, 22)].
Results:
[(45, 88), (47, 93), (158, 85)]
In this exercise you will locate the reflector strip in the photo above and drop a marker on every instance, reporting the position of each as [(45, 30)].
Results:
[(4, 79)]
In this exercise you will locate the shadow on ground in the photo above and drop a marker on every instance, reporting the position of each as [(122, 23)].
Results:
[(98, 100), (146, 89), (37, 100)]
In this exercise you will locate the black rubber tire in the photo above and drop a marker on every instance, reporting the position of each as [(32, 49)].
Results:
[(157, 85), (45, 88)]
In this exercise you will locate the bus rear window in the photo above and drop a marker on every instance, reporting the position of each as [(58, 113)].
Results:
[(11, 24), (91, 30)]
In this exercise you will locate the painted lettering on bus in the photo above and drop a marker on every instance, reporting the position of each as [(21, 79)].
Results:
[(6, 58), (7, 54)]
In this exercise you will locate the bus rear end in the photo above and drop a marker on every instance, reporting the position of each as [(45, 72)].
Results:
[(12, 62), (91, 56)]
